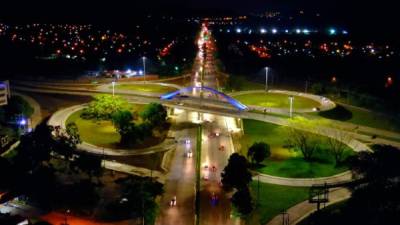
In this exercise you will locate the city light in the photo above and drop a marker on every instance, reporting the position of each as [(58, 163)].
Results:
[(274, 31), (263, 31)]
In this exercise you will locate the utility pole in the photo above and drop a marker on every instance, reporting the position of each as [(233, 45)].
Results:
[(266, 78), (291, 98), (144, 68), (285, 217)]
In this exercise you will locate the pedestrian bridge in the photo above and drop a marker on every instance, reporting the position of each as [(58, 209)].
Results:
[(229, 99)]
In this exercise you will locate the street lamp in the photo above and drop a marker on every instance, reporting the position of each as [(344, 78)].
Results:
[(144, 68), (113, 87), (291, 98), (66, 215), (266, 78)]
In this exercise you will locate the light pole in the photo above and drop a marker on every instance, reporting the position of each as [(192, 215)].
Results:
[(113, 87), (66, 215), (144, 68), (266, 78), (291, 98)]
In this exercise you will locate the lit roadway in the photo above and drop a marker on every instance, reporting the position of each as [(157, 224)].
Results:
[(182, 177), (216, 117)]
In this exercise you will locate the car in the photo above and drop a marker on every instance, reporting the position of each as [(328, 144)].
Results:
[(214, 199), (189, 154), (213, 168), (221, 147), (206, 167), (187, 141), (217, 134), (173, 201), (206, 176)]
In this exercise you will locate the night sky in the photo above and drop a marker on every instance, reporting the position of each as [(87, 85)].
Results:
[(379, 15)]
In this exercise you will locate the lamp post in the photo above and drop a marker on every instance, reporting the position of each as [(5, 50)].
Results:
[(266, 78), (144, 68), (291, 98), (113, 88), (66, 215)]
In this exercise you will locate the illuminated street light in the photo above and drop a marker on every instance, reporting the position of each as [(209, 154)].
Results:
[(274, 31), (144, 68), (113, 87), (291, 98), (263, 31)]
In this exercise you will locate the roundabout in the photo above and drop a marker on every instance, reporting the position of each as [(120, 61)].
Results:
[(62, 117), (277, 101)]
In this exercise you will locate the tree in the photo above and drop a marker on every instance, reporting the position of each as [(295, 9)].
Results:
[(35, 148), (242, 201), (234, 83), (73, 133), (382, 165), (258, 152), (236, 173), (104, 106), (140, 194), (89, 164), (121, 119), (317, 88), (17, 106), (155, 113), (300, 138), (337, 142), (66, 141)]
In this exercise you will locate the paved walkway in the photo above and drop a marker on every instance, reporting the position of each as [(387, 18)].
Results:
[(36, 117), (129, 169), (304, 182), (304, 209)]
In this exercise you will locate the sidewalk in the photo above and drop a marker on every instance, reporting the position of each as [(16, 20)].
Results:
[(304, 209), (304, 182)]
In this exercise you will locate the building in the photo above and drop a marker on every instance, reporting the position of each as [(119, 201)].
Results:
[(4, 92)]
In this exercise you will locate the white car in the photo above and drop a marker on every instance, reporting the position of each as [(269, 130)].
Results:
[(189, 154)]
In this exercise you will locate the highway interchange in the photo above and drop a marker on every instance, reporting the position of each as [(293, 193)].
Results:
[(218, 119)]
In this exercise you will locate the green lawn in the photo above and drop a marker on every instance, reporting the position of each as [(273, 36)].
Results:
[(362, 117), (156, 88), (273, 199), (102, 133), (286, 162), (275, 100)]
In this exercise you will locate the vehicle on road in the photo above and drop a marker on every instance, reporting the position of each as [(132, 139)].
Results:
[(214, 199), (173, 201), (189, 154), (221, 148)]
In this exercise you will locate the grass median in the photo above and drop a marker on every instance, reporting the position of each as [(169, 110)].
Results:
[(149, 88), (276, 100), (285, 162)]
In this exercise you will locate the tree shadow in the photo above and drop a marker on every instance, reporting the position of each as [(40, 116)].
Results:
[(338, 113)]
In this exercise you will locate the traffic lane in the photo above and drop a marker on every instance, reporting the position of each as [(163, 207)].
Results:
[(181, 181), (214, 211)]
